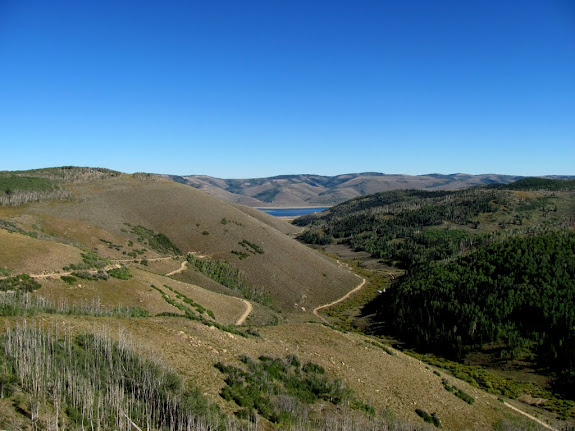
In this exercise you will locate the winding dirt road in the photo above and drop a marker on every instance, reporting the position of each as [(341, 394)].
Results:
[(343, 298), (59, 274), (246, 313), (249, 307), (363, 281), (152, 259), (182, 268)]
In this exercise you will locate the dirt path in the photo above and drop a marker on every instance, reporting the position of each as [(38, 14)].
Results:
[(343, 298), (246, 313), (182, 268), (59, 274), (533, 418), (153, 259)]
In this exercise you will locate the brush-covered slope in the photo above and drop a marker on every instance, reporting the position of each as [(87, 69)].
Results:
[(318, 190), (108, 211), (395, 385)]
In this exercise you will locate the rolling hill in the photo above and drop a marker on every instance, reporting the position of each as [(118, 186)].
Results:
[(123, 299), (107, 210), (317, 190)]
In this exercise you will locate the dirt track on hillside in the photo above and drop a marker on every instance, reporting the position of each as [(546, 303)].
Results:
[(343, 298), (59, 274), (249, 307), (246, 313), (527, 415), (182, 268)]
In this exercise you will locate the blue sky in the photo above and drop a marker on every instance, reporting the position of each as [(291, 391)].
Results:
[(239, 89)]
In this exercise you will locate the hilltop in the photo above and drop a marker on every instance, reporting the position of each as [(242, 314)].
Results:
[(318, 190), (123, 299)]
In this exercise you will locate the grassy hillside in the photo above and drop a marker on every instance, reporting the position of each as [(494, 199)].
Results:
[(110, 210), (96, 334)]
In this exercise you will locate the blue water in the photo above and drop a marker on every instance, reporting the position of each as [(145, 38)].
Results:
[(291, 212)]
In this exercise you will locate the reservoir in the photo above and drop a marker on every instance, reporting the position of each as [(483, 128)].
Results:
[(291, 212)]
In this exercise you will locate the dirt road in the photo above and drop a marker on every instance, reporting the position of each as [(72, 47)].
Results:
[(244, 316), (337, 301), (533, 418), (182, 268), (59, 274)]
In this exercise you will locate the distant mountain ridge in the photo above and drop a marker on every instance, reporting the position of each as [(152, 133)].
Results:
[(318, 190)]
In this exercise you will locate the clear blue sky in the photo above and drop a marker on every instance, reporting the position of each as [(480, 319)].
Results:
[(256, 88)]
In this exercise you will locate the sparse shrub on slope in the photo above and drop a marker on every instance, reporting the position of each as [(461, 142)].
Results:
[(19, 303), (197, 312), (22, 282), (122, 273), (90, 260), (251, 247), (431, 418), (229, 276), (157, 241), (282, 390)]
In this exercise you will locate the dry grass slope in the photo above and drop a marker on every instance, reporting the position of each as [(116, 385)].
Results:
[(296, 277)]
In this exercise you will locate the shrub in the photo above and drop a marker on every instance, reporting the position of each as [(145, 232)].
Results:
[(89, 260), (251, 247), (310, 367), (157, 241), (464, 396), (229, 276), (430, 418), (240, 254), (95, 276), (69, 279), (122, 273), (268, 384), (22, 282)]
